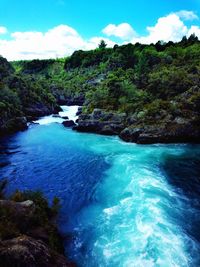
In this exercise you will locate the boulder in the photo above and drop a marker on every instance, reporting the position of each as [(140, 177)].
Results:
[(130, 134), (69, 123), (65, 117), (107, 130)]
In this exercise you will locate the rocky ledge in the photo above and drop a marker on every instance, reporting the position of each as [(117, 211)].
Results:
[(37, 110), (25, 251), (13, 125), (166, 129), (19, 123), (170, 133), (28, 235), (101, 122)]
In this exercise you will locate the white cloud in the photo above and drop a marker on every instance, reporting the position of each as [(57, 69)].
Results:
[(63, 40), (57, 42), (124, 31), (195, 30), (168, 28), (3, 30), (187, 15)]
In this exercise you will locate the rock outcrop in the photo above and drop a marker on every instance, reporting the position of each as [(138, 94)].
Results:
[(101, 122), (28, 237), (13, 125), (63, 99), (38, 110), (170, 128), (25, 251), (168, 133)]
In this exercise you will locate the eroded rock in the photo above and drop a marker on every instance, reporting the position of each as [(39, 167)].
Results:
[(25, 251)]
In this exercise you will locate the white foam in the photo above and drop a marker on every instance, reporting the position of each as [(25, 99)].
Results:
[(67, 111), (49, 119), (70, 112)]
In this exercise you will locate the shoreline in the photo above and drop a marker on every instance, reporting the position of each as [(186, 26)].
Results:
[(167, 133)]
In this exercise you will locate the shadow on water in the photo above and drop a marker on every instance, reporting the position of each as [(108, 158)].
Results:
[(183, 174), (63, 168)]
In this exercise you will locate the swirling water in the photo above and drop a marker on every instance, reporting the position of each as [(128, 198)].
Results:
[(123, 204)]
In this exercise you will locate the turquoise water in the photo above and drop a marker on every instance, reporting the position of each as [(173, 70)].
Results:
[(123, 204)]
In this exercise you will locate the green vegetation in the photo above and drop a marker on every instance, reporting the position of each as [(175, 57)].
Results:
[(144, 80), (34, 220)]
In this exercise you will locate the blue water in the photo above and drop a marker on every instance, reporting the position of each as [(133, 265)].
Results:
[(123, 204)]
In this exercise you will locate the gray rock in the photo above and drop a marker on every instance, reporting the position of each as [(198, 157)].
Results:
[(56, 116), (130, 134), (65, 117), (166, 133), (69, 123), (101, 122)]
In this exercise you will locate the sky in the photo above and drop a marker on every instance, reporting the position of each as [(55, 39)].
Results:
[(56, 28)]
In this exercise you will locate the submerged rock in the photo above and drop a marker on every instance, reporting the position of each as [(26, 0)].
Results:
[(56, 116), (4, 164)]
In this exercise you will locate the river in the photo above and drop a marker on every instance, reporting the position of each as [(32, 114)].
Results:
[(122, 204)]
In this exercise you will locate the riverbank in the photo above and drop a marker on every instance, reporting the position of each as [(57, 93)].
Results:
[(172, 128), (28, 234), (176, 128)]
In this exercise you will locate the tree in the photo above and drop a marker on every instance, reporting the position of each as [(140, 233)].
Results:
[(102, 44)]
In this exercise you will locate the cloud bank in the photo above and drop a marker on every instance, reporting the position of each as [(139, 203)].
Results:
[(124, 31), (63, 40)]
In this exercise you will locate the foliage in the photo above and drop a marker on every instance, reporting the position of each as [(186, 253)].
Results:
[(102, 44), (13, 224), (125, 78)]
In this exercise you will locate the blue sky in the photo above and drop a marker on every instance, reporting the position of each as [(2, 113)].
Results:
[(90, 18)]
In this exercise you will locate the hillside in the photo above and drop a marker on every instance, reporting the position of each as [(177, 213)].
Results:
[(144, 93)]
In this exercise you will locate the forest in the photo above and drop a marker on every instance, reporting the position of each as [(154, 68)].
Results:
[(150, 82)]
